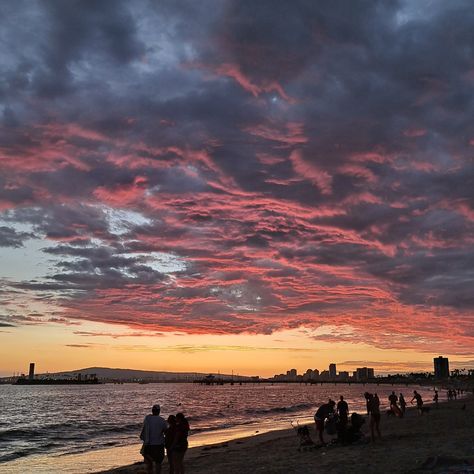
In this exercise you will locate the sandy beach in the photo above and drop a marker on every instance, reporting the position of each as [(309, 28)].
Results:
[(441, 441)]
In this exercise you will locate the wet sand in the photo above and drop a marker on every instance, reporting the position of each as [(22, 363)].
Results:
[(441, 441)]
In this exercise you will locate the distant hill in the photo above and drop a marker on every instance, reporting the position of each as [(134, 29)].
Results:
[(106, 373)]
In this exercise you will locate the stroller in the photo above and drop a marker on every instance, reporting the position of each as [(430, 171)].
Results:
[(302, 432)]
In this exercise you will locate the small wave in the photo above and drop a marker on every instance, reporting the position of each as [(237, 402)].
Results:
[(283, 409), (128, 428), (19, 433)]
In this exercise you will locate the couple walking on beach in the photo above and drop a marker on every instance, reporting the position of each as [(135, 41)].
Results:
[(158, 434)]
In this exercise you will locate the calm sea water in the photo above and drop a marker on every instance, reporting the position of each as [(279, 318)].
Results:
[(38, 422)]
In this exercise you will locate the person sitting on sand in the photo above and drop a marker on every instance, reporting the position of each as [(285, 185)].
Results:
[(153, 437), (373, 405), (323, 412), (403, 403), (170, 435), (180, 444), (419, 402)]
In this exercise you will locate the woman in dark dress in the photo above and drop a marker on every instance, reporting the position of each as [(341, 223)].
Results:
[(180, 444)]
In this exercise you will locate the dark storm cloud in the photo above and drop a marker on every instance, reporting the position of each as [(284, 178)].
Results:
[(12, 238), (302, 157)]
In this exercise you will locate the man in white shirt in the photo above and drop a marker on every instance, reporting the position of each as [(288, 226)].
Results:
[(153, 437)]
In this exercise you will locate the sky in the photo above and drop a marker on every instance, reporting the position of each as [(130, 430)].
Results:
[(236, 185)]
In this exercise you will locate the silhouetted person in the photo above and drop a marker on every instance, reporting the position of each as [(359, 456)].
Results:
[(170, 435), (455, 394), (153, 437), (393, 400), (342, 419), (180, 444), (373, 406), (343, 411), (419, 402), (323, 412), (436, 398), (403, 403), (367, 399)]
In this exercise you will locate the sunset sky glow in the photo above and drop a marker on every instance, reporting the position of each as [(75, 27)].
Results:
[(236, 185)]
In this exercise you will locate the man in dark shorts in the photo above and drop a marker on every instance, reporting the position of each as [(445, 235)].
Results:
[(153, 437), (419, 402), (324, 411)]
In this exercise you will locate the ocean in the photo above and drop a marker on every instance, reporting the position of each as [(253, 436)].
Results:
[(68, 428)]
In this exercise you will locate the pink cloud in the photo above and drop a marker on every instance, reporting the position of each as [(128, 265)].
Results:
[(321, 178)]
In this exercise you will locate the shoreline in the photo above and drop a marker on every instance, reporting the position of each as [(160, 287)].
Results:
[(440, 439)]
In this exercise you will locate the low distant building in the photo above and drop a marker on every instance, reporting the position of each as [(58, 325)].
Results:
[(441, 367), (308, 375), (343, 375), (324, 375)]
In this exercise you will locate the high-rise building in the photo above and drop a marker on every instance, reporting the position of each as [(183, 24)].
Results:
[(364, 373), (441, 367), (31, 374), (332, 371)]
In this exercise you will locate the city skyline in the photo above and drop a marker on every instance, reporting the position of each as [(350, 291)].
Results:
[(236, 185)]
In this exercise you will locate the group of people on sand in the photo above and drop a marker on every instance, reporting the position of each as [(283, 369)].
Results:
[(453, 393), (158, 435), (331, 414), (334, 419)]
